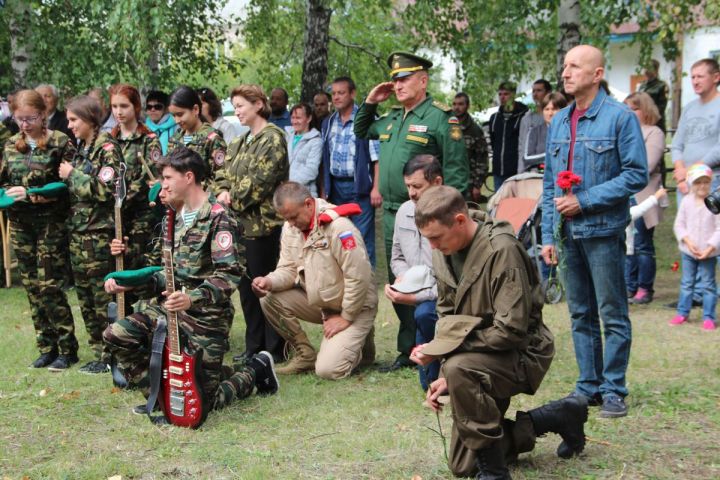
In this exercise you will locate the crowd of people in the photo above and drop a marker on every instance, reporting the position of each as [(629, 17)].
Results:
[(281, 207)]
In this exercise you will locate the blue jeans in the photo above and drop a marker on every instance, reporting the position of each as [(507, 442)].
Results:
[(498, 180), (592, 274), (697, 276), (426, 317), (343, 191), (640, 267)]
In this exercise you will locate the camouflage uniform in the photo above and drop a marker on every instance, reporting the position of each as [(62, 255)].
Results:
[(477, 151), (658, 91), (208, 142), (92, 185), (38, 236), (140, 151), (256, 167), (208, 265)]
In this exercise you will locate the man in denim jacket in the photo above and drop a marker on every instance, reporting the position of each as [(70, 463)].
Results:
[(600, 140)]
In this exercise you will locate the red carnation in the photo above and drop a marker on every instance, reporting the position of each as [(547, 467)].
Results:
[(567, 179)]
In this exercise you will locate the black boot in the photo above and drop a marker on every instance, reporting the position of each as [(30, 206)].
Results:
[(491, 464), (263, 365), (565, 417), (45, 359)]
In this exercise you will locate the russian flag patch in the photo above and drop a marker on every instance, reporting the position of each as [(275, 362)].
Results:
[(347, 240)]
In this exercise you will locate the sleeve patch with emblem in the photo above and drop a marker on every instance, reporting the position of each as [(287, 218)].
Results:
[(109, 147), (453, 121), (155, 155), (106, 174), (211, 135), (219, 158), (223, 240), (347, 240), (456, 132)]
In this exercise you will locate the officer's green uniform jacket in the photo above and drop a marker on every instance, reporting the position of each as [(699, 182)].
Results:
[(35, 169), (208, 262), (426, 129), (92, 185), (254, 170), (499, 291), (208, 142)]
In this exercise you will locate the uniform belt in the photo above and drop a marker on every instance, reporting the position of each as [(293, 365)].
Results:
[(392, 206)]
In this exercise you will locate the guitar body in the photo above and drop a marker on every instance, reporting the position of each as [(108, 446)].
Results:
[(182, 398)]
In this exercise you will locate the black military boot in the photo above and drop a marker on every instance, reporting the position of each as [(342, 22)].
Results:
[(491, 464), (565, 417), (45, 359), (263, 365), (63, 362)]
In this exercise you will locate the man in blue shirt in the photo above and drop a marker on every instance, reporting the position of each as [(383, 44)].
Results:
[(279, 115), (350, 164), (598, 139)]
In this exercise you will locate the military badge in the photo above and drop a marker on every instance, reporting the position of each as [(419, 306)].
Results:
[(211, 135), (219, 158), (453, 121), (223, 240), (106, 174), (155, 155), (389, 126), (108, 147), (456, 132), (418, 128), (347, 240)]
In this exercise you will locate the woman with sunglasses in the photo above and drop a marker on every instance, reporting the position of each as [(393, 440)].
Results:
[(158, 119), (91, 177), (31, 159), (194, 130), (141, 151)]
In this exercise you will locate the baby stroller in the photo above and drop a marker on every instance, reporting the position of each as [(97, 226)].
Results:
[(518, 201)]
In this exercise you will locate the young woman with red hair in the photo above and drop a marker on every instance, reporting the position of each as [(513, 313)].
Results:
[(141, 150)]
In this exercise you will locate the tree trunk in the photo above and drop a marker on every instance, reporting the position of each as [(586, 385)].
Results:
[(569, 27), (317, 29), (677, 84), (19, 23)]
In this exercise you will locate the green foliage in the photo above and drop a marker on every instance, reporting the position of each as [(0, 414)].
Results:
[(150, 43)]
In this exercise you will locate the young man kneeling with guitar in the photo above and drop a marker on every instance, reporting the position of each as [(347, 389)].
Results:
[(203, 264)]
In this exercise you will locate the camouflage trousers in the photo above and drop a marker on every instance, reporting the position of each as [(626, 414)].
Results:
[(91, 261), (38, 246), (130, 341)]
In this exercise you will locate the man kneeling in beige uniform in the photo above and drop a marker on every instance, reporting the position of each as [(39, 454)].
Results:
[(323, 276)]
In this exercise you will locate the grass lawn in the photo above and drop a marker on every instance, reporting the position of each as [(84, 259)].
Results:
[(369, 426)]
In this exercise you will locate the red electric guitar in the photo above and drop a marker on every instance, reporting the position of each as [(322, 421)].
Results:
[(182, 398)]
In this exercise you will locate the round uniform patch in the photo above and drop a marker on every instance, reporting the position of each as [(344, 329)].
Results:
[(155, 155), (106, 174), (219, 158), (223, 240)]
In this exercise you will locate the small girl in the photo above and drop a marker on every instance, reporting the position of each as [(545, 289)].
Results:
[(698, 234)]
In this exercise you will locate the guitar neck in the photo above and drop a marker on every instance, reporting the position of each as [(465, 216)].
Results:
[(119, 261), (173, 332)]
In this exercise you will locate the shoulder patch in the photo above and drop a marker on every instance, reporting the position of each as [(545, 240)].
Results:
[(108, 147), (219, 158), (212, 135), (217, 208), (347, 240), (151, 135), (456, 132), (223, 240), (453, 120), (106, 174), (155, 154)]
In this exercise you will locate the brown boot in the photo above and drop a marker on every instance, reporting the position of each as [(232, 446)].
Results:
[(303, 360)]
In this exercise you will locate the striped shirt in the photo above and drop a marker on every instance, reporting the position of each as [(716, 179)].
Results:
[(341, 144), (187, 139)]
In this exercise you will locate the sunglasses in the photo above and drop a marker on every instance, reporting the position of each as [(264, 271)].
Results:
[(29, 120), (154, 106)]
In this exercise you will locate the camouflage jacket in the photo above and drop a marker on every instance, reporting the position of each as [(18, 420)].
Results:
[(140, 152), (208, 142), (658, 91), (255, 168), (477, 151), (208, 262), (92, 185), (35, 169)]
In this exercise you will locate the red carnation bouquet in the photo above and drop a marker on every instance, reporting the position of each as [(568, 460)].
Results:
[(566, 180)]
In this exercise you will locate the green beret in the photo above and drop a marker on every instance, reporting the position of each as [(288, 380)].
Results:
[(154, 193), (403, 64), (50, 190), (133, 278), (5, 200)]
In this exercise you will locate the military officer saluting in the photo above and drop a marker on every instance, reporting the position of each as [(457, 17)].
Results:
[(419, 126)]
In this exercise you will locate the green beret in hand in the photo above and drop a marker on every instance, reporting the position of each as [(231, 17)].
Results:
[(133, 278), (51, 190)]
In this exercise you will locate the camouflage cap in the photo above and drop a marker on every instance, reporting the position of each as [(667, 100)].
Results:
[(50, 190), (403, 64)]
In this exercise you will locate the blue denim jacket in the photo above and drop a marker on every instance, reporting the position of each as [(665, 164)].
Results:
[(610, 157)]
